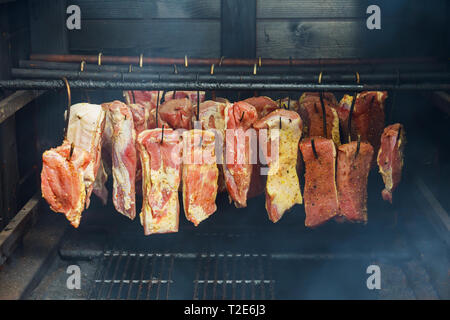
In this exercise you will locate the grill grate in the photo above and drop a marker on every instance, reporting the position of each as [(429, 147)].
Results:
[(233, 276), (123, 275)]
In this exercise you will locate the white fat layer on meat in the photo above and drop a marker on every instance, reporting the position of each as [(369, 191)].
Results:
[(121, 140), (85, 132), (164, 177), (282, 180)]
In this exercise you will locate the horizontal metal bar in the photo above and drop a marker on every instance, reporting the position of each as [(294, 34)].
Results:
[(240, 86), (248, 70), (300, 78), (223, 61)]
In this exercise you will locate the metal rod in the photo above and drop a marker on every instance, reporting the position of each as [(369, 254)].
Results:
[(26, 84), (324, 115), (225, 62), (391, 77)]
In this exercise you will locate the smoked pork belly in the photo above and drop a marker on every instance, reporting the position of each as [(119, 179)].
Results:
[(390, 158), (289, 104), (282, 187), (161, 175), (212, 117), (177, 113), (148, 99), (62, 180), (199, 175), (367, 117), (191, 95), (264, 105), (310, 110), (351, 178), (320, 193), (85, 130), (123, 158), (239, 118)]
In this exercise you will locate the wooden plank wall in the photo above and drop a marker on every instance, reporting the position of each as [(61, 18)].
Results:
[(170, 28), (337, 28)]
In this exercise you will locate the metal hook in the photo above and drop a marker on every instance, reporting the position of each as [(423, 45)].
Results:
[(157, 109), (83, 63), (72, 147), (212, 69), (314, 149), (141, 60), (259, 62), (280, 123), (399, 132), (175, 70), (69, 103), (242, 117), (221, 60), (324, 115), (254, 69), (99, 58), (358, 145), (352, 107), (198, 105), (134, 98), (186, 63), (162, 134)]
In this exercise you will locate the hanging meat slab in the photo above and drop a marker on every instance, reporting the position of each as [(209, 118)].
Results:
[(199, 175), (212, 117), (62, 180), (85, 130), (282, 188), (177, 113), (310, 111), (353, 166), (367, 117), (148, 99), (264, 105), (123, 158), (320, 194), (390, 158), (239, 117), (161, 168)]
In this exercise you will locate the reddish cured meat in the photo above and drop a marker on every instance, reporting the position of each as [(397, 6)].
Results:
[(123, 158), (352, 175), (390, 158), (320, 194), (212, 117), (310, 110), (282, 188), (191, 95), (238, 138), (62, 181), (199, 175), (264, 105), (177, 113), (367, 117), (147, 99), (161, 175)]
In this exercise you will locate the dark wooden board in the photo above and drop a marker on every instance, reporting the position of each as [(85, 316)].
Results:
[(140, 9), (171, 38), (344, 39), (282, 9), (238, 28)]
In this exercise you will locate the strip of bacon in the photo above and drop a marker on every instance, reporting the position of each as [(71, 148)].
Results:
[(62, 181), (123, 158), (161, 175), (238, 169), (85, 130), (177, 113), (282, 188), (199, 175), (320, 194), (352, 174), (212, 117), (310, 111), (367, 117), (390, 158)]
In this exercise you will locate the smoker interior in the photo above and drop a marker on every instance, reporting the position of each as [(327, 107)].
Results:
[(236, 253)]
